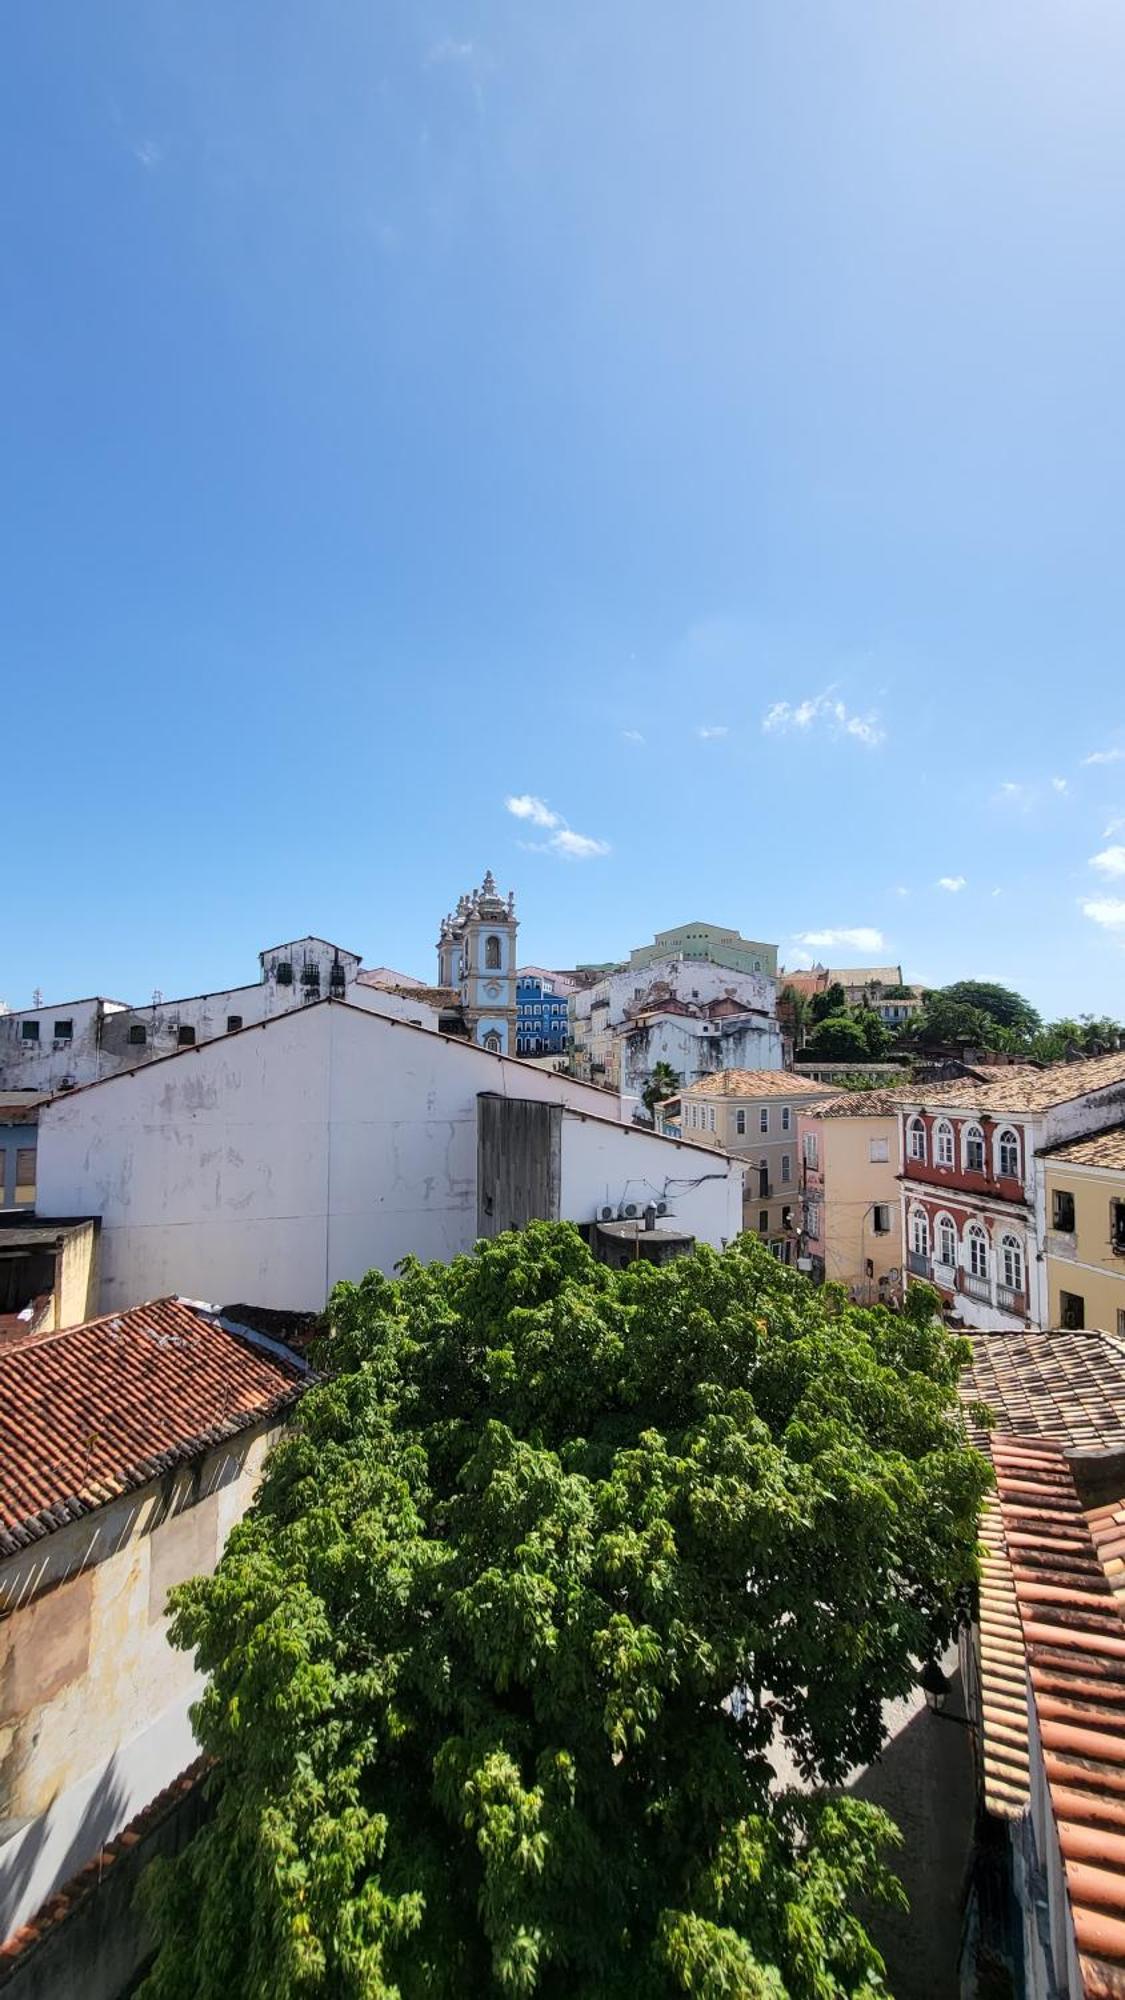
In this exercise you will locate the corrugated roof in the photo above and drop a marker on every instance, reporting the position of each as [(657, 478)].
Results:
[(1020, 1087), (1074, 1641), (1105, 1149), (754, 1083), (101, 1409)]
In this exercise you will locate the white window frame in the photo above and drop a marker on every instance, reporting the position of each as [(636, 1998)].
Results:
[(811, 1150), (945, 1152), (916, 1141), (969, 1134), (740, 1124), (1006, 1139), (786, 1168), (919, 1232), (764, 1118), (944, 1226), (1012, 1260), (786, 1118), (976, 1250)]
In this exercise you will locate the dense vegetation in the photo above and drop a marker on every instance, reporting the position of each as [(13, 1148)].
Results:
[(552, 1570)]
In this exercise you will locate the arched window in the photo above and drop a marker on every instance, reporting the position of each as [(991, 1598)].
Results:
[(492, 954), (917, 1139), (943, 1143), (1008, 1155), (972, 1145), (945, 1240), (920, 1232), (978, 1250), (1011, 1262), (492, 1043)]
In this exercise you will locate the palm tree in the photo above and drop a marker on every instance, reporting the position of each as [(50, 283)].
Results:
[(800, 1012), (664, 1082)]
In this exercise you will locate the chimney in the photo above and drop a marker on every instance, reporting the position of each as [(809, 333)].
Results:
[(650, 1215)]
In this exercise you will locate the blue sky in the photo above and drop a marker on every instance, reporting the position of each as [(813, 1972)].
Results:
[(706, 423)]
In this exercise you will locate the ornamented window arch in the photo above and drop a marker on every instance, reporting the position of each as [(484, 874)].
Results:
[(945, 1240), (916, 1139), (1008, 1154), (977, 1245), (919, 1232), (492, 1043), (1011, 1262), (943, 1143), (492, 954), (972, 1149)]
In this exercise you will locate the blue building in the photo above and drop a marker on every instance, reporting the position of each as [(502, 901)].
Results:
[(541, 1014)]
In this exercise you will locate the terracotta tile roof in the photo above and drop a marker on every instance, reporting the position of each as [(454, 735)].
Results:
[(1106, 1149), (755, 1083), (864, 1104), (1003, 1675), (865, 975), (101, 1409), (1066, 1385), (1020, 1087), (1074, 1639)]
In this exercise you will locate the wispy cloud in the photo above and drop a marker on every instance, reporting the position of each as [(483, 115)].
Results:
[(860, 937), (1114, 826), (709, 732), (1104, 757), (631, 736), (1111, 861), (1109, 911), (148, 154), (450, 50), (1058, 784), (827, 709), (525, 805), (953, 883), (563, 841), (902, 890)]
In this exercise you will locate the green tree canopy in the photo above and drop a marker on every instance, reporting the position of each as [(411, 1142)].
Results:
[(1007, 1008), (664, 1082), (980, 1012), (841, 1038), (545, 1572), (832, 1001)]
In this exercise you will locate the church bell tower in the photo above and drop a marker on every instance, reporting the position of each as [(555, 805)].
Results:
[(477, 956)]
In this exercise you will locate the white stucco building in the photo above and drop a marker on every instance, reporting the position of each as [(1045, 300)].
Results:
[(267, 1164), (694, 1015), (80, 1041)]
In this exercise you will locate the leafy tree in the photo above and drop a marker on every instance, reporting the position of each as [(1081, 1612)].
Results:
[(1088, 1032), (1006, 1008), (841, 1038), (941, 1019), (544, 1572), (831, 1002), (800, 1013), (876, 1033), (664, 1082)]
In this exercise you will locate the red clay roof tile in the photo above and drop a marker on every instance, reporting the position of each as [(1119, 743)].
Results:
[(100, 1409)]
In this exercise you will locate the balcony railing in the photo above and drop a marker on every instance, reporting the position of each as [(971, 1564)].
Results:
[(1010, 1301), (945, 1274), (976, 1288), (919, 1265)]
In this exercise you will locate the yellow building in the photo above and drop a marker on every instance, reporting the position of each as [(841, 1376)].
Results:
[(1084, 1184), (851, 1213), (753, 1114)]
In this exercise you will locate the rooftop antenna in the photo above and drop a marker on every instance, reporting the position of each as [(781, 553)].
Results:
[(37, 997), (157, 996)]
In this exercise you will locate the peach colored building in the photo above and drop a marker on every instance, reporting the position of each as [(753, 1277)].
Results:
[(851, 1218)]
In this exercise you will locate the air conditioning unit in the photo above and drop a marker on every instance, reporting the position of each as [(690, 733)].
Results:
[(629, 1210), (606, 1214), (661, 1208)]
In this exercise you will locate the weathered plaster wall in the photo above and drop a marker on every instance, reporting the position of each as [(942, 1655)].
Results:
[(93, 1700), (270, 1164)]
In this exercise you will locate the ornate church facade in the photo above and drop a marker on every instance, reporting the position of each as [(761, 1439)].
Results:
[(477, 959)]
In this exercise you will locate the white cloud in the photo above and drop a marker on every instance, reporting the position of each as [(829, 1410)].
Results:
[(1058, 784), (862, 937), (1115, 826), (631, 736), (1104, 757), (710, 731), (865, 729), (564, 842), (148, 154), (1010, 791), (525, 805), (576, 846), (1111, 861), (998, 892), (1109, 912), (901, 890), (953, 883)]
